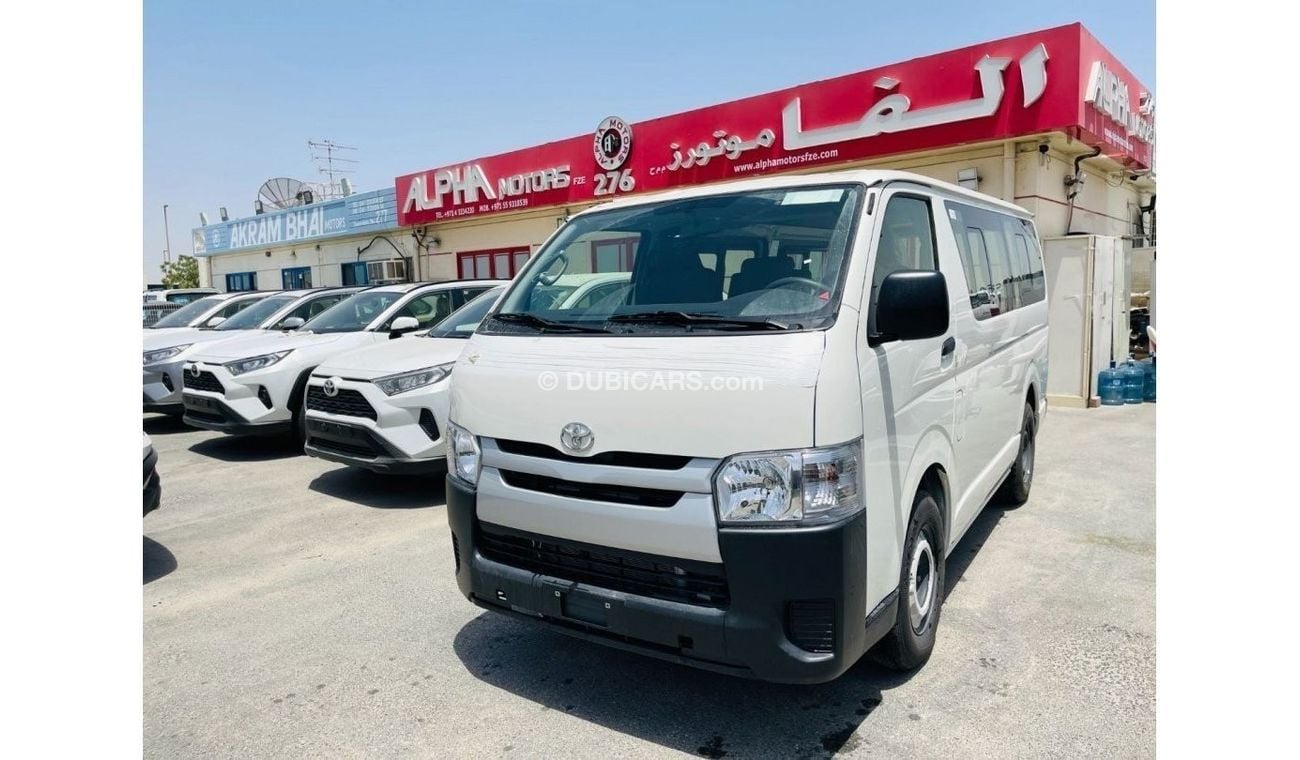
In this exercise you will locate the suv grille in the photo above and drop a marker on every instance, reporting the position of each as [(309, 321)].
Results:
[(616, 494), (671, 579), (206, 381), (348, 402)]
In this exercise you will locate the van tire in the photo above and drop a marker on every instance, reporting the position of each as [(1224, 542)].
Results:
[(1015, 489), (911, 641)]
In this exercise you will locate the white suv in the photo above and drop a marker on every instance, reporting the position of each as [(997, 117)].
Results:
[(208, 311), (254, 385), (384, 407), (166, 351)]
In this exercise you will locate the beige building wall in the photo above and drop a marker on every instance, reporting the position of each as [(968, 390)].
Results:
[(324, 257)]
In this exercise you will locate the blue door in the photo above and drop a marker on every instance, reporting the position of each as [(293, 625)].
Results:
[(296, 278), (354, 273)]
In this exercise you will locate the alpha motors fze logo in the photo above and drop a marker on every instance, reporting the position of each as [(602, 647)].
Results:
[(613, 143)]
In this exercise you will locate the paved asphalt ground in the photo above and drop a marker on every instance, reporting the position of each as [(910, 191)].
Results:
[(295, 608)]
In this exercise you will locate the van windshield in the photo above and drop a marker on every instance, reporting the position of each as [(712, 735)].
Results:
[(761, 260)]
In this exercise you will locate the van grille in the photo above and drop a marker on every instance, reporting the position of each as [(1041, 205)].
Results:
[(810, 625), (670, 579), (611, 458), (615, 494)]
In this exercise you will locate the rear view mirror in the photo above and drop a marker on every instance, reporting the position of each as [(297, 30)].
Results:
[(554, 270), (402, 325), (214, 321), (292, 323), (911, 305)]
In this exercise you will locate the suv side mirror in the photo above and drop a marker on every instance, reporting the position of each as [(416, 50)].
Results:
[(214, 321), (401, 326), (911, 305), (292, 323)]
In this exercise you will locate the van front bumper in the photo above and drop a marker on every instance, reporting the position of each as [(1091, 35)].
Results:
[(781, 584)]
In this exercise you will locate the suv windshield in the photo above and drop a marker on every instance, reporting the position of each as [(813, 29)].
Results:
[(353, 314), (760, 260), (463, 321), (183, 316), (256, 314)]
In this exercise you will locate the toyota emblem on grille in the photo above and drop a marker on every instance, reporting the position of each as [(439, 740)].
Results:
[(194, 370), (577, 437), (331, 389)]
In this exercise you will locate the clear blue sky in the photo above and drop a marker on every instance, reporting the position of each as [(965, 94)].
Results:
[(233, 90)]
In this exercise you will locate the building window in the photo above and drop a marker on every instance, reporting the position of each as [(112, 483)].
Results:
[(613, 255), (241, 281), (355, 273), (495, 264), (296, 278)]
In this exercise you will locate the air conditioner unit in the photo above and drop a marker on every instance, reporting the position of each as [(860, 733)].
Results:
[(386, 272)]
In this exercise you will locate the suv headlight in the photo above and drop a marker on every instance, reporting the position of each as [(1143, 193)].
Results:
[(164, 353), (240, 366), (409, 381), (463, 454), (799, 487)]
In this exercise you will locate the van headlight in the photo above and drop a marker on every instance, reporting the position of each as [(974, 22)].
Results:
[(409, 381), (463, 454), (252, 363), (799, 487), (164, 353)]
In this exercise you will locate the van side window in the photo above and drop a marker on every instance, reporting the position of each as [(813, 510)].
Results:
[(906, 242), (999, 253), (1036, 283)]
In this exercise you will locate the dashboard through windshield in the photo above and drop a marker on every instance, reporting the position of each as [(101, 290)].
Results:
[(761, 260)]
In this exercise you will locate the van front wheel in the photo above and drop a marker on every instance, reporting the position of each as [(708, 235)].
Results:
[(920, 589)]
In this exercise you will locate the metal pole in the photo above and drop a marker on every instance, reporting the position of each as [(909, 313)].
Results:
[(168, 233)]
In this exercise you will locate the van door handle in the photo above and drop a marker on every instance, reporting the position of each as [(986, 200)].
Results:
[(949, 346)]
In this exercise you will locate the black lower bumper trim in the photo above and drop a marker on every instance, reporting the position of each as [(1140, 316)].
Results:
[(214, 414), (359, 447), (173, 408), (749, 636)]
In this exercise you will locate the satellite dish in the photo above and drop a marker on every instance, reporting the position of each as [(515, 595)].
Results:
[(283, 192)]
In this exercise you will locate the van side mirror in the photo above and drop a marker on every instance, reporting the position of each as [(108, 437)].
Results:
[(214, 321), (402, 326), (911, 305), (292, 323)]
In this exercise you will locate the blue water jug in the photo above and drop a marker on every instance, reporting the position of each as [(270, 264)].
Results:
[(1135, 381), (1149, 388), (1110, 385)]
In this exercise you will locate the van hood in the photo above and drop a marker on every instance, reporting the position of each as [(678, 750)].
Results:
[(264, 343), (691, 395), (391, 357)]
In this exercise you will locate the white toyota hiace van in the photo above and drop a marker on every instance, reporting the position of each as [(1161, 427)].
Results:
[(757, 457)]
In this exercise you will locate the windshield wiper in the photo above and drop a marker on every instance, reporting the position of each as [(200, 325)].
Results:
[(689, 318), (524, 318)]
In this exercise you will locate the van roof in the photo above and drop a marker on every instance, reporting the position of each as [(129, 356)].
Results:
[(867, 177)]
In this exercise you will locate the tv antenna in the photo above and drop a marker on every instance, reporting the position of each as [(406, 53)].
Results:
[(333, 166)]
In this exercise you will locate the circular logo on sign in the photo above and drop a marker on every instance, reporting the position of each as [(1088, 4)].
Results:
[(331, 389), (613, 143), (576, 437)]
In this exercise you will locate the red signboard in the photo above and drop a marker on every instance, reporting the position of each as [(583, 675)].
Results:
[(1055, 80)]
